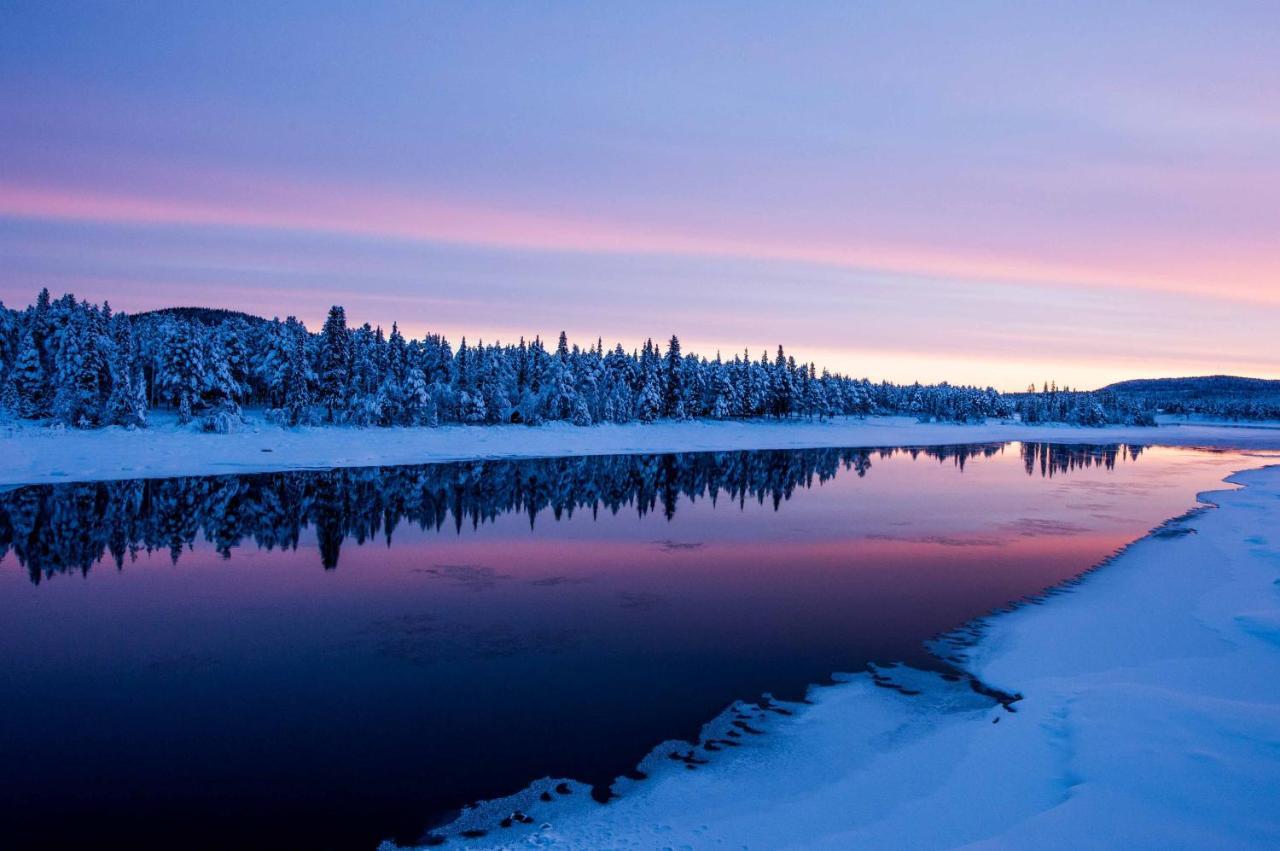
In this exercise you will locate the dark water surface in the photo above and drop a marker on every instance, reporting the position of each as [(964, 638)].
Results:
[(326, 659)]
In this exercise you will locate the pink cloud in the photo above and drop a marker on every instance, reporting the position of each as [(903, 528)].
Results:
[(1243, 273)]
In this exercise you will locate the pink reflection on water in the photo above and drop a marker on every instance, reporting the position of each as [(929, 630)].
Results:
[(462, 664)]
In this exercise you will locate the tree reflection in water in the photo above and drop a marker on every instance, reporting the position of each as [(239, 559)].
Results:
[(59, 528)]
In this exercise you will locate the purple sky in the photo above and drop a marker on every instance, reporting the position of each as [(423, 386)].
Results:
[(982, 192)]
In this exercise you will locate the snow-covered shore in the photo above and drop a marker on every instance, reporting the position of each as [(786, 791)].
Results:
[(1150, 717), (30, 455)]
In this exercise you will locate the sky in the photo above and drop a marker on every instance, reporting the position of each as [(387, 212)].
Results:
[(981, 192)]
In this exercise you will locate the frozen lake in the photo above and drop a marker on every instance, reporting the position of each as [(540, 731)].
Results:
[(326, 659)]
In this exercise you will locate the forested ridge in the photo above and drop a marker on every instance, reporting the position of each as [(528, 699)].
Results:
[(83, 365), (1215, 396)]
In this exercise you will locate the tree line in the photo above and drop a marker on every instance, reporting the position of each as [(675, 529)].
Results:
[(83, 365)]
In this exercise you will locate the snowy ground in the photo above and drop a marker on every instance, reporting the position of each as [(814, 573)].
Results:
[(30, 455), (1150, 718)]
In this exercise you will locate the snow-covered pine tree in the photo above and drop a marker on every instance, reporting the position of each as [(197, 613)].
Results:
[(182, 367), (40, 322), (268, 366), (527, 404), (471, 407), (77, 393), (748, 400), (538, 359), (365, 385), (581, 412), (495, 384), (588, 375), (414, 401), (618, 394), (649, 392), (219, 397), (233, 335), (777, 386), (28, 379), (672, 381), (333, 377), (560, 393), (394, 391), (828, 400), (462, 366), (811, 392), (723, 401), (10, 404), (694, 386), (8, 339), (126, 406), (296, 378)]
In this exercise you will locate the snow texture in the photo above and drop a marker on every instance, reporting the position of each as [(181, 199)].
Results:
[(1149, 718)]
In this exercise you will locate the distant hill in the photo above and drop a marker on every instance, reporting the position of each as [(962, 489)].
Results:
[(204, 315), (1199, 388), (1226, 396)]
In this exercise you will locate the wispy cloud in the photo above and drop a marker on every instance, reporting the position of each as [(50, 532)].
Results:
[(354, 210)]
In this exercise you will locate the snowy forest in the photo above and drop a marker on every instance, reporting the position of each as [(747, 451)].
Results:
[(70, 527), (1218, 397), (81, 365)]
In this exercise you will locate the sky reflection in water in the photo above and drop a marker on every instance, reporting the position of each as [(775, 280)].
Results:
[(270, 667)]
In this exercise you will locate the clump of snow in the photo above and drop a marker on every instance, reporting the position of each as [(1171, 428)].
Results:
[(34, 455), (1149, 716)]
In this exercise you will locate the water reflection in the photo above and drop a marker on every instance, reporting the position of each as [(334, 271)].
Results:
[(57, 528), (502, 622)]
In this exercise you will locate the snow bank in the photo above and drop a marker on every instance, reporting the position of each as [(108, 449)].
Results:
[(30, 455), (1150, 717)]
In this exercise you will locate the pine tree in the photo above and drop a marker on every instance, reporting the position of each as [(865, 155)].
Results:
[(10, 404), (415, 403), (618, 395), (28, 379), (471, 407), (694, 390), (182, 371), (581, 413), (77, 400), (40, 324), (233, 336), (295, 381), (781, 392), (723, 403), (366, 389), (494, 384), (649, 393), (462, 366), (8, 339), (126, 406), (334, 373), (394, 388), (672, 389), (561, 392), (219, 392)]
